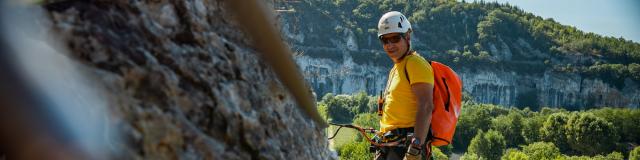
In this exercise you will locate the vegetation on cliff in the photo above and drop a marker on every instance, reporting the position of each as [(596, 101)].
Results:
[(485, 35)]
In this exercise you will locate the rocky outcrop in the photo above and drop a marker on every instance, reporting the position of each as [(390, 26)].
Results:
[(327, 76), (185, 83), (508, 88)]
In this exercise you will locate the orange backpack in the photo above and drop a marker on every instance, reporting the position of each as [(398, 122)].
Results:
[(447, 98)]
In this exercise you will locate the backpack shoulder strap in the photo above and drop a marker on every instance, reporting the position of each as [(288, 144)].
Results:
[(406, 74)]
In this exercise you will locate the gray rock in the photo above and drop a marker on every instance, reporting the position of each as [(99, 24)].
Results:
[(185, 82)]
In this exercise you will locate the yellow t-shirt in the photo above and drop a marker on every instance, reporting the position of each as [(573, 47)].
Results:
[(401, 104)]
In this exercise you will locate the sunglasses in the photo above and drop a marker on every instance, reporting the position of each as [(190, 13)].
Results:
[(392, 39)]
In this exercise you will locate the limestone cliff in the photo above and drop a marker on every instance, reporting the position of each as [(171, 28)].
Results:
[(508, 88)]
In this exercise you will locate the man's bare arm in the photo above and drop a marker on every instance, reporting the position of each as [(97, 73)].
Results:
[(424, 93)]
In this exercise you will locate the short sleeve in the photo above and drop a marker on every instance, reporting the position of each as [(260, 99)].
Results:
[(419, 70)]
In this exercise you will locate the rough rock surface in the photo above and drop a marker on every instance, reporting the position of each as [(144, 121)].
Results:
[(185, 82)]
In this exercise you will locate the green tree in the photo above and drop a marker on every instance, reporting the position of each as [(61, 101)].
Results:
[(360, 102), (625, 122), (590, 135), (553, 130), (611, 156), (614, 156), (468, 124), (437, 154), (489, 145), (541, 150), (464, 130), (485, 28), (575, 158), (366, 120), (474, 117), (635, 154), (531, 128), (514, 154), (338, 108), (510, 126), (323, 110), (355, 151), (343, 108), (471, 156)]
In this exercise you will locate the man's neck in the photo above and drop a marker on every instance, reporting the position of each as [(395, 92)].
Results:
[(407, 53), (396, 61)]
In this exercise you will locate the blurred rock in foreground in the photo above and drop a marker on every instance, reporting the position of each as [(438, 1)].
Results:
[(183, 81)]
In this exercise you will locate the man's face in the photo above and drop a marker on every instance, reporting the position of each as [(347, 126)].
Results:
[(395, 45)]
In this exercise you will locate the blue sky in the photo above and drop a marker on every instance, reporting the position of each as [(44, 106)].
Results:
[(617, 18)]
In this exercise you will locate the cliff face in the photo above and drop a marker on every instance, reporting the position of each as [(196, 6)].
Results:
[(327, 76), (184, 81), (508, 87)]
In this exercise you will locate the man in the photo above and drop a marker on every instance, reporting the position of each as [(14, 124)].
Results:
[(408, 101)]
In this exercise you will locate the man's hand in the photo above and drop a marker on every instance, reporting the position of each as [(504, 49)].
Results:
[(412, 157), (414, 151)]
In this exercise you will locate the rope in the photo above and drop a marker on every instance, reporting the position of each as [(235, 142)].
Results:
[(363, 131)]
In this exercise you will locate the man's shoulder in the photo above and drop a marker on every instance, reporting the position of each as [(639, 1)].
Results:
[(416, 58)]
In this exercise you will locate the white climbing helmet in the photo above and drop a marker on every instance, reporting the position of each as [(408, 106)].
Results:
[(393, 22)]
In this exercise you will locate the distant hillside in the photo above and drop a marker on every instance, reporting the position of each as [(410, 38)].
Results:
[(486, 35), (504, 55)]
